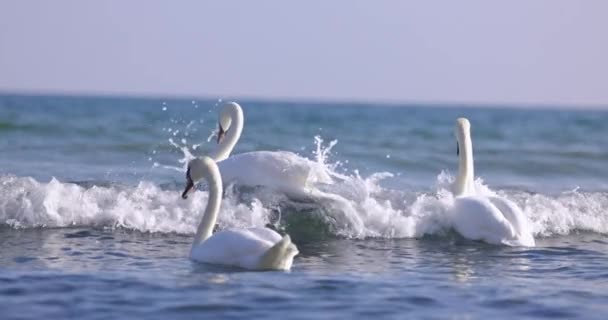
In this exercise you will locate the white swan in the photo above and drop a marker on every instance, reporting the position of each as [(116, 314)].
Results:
[(280, 170), (253, 248), (492, 219)]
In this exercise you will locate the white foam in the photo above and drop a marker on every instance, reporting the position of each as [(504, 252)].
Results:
[(566, 213), (27, 203), (353, 206)]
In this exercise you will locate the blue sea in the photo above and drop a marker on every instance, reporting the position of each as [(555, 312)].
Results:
[(92, 225)]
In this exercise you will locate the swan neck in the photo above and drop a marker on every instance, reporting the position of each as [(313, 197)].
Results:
[(205, 228), (233, 135), (465, 180)]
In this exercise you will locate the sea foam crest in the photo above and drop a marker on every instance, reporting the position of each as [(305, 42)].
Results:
[(356, 208), (353, 206), (26, 203)]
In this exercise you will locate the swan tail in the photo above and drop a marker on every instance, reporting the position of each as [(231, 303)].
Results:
[(280, 256)]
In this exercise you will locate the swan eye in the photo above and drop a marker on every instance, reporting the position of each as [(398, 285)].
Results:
[(457, 149)]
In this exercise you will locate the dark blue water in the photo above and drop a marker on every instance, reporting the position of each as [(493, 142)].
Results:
[(92, 226)]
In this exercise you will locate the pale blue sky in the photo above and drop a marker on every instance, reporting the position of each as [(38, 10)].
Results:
[(466, 51)]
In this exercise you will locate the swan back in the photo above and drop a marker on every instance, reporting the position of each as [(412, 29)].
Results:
[(518, 220), (476, 218), (491, 219)]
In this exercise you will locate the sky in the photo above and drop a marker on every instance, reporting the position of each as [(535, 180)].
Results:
[(527, 52)]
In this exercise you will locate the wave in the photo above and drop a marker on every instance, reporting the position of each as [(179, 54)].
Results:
[(27, 203), (353, 207)]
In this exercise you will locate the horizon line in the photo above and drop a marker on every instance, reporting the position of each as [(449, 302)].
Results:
[(309, 100)]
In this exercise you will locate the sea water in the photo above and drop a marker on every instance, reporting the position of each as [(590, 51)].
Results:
[(92, 225)]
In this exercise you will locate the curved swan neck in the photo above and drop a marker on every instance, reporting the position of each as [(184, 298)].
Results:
[(232, 135), (205, 228), (465, 180)]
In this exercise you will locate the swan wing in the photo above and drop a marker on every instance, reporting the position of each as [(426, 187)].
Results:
[(476, 218), (517, 219)]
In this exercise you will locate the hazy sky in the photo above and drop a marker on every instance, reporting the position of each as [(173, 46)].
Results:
[(465, 51)]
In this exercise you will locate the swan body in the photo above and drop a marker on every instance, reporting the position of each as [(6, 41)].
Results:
[(491, 219), (281, 170), (253, 248)]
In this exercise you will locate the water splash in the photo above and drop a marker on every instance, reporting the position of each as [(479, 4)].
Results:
[(27, 203), (351, 206), (356, 208), (359, 208)]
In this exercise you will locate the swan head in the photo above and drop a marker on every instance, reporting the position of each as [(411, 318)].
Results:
[(198, 169), (225, 121), (462, 131)]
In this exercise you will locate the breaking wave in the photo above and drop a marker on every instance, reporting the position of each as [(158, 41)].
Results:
[(354, 207)]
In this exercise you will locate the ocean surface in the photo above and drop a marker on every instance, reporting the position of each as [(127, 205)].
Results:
[(92, 225)]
